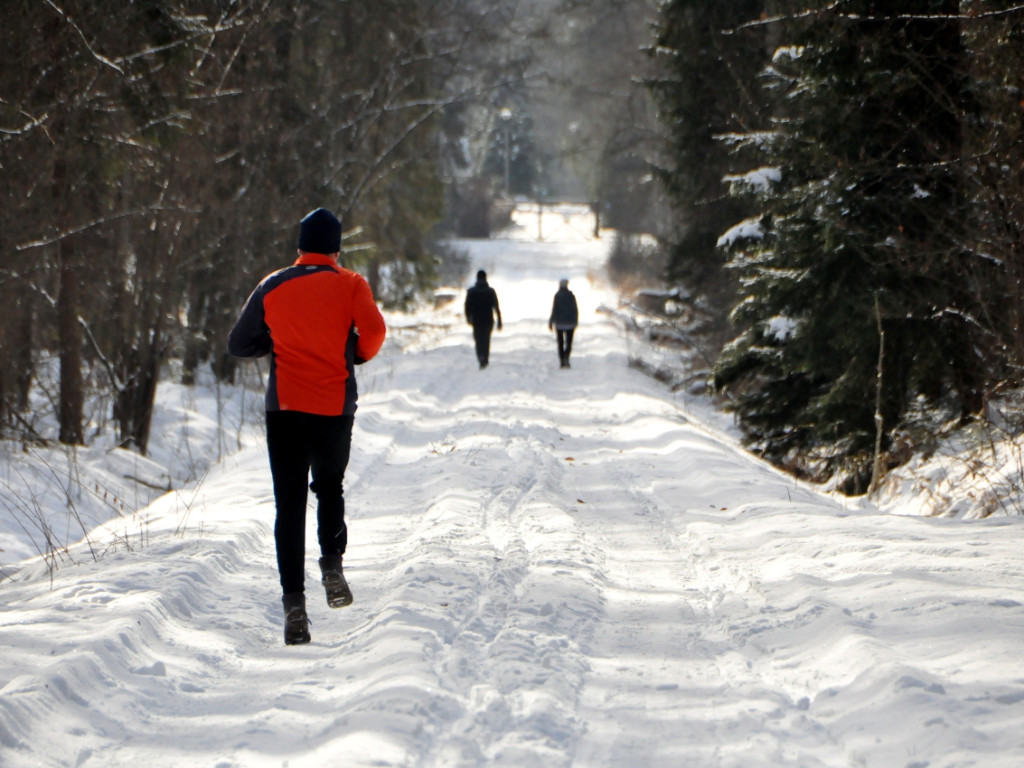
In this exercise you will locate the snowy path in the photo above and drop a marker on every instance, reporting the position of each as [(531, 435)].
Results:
[(551, 568)]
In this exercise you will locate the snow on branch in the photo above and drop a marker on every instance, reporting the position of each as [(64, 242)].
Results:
[(30, 124), (748, 229), (56, 238), (756, 139), (759, 179), (95, 54), (831, 8)]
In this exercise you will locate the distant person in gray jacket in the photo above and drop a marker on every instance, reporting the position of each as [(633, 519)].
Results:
[(565, 316), (481, 308)]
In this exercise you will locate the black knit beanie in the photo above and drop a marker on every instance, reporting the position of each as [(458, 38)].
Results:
[(320, 232)]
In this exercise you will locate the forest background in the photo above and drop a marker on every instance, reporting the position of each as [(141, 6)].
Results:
[(832, 193)]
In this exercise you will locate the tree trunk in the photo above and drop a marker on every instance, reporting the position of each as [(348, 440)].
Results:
[(134, 407), (24, 366), (70, 345)]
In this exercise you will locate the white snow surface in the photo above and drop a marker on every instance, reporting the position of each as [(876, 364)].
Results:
[(550, 567)]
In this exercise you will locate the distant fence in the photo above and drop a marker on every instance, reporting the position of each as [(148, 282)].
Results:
[(561, 220)]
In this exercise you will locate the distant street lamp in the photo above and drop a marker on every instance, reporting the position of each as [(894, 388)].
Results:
[(506, 116)]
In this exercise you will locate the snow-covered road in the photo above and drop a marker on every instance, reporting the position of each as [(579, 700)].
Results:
[(551, 568)]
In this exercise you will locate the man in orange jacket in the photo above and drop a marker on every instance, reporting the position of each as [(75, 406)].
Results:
[(317, 321)]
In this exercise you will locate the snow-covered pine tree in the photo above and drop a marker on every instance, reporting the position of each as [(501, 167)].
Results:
[(865, 219), (994, 140), (705, 89)]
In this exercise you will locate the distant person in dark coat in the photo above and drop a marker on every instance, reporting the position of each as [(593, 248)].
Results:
[(481, 309), (565, 315)]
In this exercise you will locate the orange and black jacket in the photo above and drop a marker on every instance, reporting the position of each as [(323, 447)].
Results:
[(317, 321)]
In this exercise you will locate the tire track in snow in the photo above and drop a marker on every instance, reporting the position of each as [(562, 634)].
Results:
[(503, 649), (520, 652)]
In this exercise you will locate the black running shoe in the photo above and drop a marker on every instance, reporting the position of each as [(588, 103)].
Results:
[(296, 622), (333, 579)]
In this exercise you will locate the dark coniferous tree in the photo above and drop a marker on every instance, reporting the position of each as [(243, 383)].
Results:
[(707, 93), (862, 231), (994, 167)]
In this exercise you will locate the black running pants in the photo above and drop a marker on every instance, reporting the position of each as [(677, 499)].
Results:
[(564, 342), (300, 445), (482, 339)]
